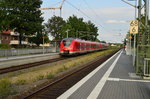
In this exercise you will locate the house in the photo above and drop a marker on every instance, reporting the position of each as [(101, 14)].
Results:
[(5, 37), (12, 38)]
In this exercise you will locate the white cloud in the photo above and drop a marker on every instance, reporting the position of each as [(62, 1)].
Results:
[(111, 37), (115, 21), (102, 18), (98, 15)]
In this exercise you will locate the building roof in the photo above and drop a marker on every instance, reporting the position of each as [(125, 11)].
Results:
[(6, 31)]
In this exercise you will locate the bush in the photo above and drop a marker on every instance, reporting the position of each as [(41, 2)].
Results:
[(60, 70), (4, 46), (50, 76), (65, 67), (40, 77), (21, 82), (6, 88)]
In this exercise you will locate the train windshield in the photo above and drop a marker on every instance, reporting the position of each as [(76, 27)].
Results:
[(67, 42)]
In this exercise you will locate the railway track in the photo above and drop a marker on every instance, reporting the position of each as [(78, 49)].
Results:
[(54, 89), (29, 65)]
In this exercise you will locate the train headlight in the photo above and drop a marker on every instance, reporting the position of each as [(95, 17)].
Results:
[(68, 48)]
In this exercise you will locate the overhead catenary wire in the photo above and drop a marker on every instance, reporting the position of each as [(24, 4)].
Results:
[(93, 11), (60, 7), (85, 14), (55, 4)]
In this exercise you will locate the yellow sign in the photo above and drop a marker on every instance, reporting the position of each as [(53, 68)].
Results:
[(134, 27), (130, 37)]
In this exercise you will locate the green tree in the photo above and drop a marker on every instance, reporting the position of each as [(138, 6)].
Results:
[(81, 29), (74, 27), (38, 38), (92, 31), (77, 26), (144, 35), (4, 19), (21, 15), (65, 30), (54, 26)]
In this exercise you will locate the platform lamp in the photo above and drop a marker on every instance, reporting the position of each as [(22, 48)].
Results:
[(135, 6), (43, 40), (67, 33)]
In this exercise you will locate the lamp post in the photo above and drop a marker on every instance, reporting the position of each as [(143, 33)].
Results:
[(67, 33), (43, 42), (134, 46)]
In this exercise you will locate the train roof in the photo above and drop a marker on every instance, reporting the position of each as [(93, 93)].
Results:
[(80, 40), (68, 39)]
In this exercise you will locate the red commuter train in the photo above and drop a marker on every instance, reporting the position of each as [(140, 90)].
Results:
[(71, 46)]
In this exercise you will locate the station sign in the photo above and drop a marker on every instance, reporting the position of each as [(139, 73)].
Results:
[(134, 27)]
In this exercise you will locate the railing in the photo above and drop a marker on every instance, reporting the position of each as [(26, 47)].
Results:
[(17, 52), (142, 59), (146, 66)]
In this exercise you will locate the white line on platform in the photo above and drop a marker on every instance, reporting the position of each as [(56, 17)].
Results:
[(129, 80), (113, 79), (96, 91), (69, 92)]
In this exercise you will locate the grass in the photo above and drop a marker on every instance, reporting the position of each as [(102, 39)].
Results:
[(50, 76), (47, 72), (43, 72), (6, 88), (20, 81), (39, 77)]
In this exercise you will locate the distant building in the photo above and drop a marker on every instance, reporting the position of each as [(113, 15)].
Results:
[(113, 45), (5, 37), (12, 38)]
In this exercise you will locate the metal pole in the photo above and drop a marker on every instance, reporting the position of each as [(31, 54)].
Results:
[(43, 43), (139, 13), (67, 33), (78, 34), (139, 25), (55, 46), (134, 53), (146, 18), (135, 8), (130, 46), (60, 11), (146, 12)]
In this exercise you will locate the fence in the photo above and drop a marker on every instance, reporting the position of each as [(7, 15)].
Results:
[(54, 47), (142, 59), (147, 66), (17, 52)]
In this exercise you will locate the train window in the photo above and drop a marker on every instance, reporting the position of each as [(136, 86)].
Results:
[(67, 42), (78, 45)]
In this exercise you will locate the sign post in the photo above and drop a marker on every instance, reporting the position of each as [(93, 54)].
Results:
[(134, 31), (134, 27)]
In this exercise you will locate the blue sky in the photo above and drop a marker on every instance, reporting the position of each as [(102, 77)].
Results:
[(110, 16)]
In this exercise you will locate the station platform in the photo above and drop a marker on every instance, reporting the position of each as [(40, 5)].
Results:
[(20, 60), (25, 56), (114, 79)]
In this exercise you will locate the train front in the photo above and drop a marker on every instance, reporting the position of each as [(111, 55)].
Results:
[(66, 46)]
